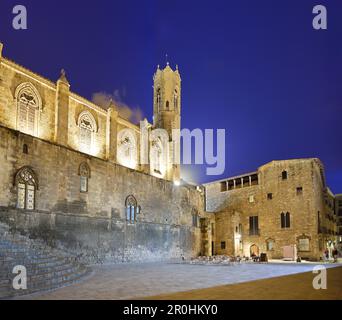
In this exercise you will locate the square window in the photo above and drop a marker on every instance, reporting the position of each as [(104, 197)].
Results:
[(299, 190), (223, 186), (269, 196)]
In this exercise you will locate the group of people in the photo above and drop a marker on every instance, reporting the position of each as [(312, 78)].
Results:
[(334, 254)]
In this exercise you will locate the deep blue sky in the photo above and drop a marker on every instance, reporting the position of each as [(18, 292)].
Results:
[(256, 68)]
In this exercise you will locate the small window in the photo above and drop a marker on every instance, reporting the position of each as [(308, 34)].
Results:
[(25, 149), (223, 245), (269, 196), (285, 220), (270, 244), (84, 173), (223, 186), (195, 220), (299, 190), (284, 175)]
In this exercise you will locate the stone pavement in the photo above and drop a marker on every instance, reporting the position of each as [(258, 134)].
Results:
[(293, 287), (136, 281)]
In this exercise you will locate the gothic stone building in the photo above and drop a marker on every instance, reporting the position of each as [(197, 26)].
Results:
[(72, 174), (71, 171), (283, 203)]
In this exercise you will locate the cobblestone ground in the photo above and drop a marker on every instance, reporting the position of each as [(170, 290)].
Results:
[(134, 281)]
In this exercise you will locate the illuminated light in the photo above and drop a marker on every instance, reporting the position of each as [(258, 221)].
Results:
[(177, 183)]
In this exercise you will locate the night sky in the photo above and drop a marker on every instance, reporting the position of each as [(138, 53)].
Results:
[(256, 68)]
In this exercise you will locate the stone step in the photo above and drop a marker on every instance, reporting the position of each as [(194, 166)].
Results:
[(44, 285)]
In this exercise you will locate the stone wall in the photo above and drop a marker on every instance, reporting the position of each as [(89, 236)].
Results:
[(234, 207), (93, 224)]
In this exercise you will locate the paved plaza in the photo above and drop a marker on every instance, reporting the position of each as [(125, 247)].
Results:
[(137, 281)]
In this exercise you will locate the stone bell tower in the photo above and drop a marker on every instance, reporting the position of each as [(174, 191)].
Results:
[(167, 111)]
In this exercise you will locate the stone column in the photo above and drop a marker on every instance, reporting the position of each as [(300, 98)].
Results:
[(111, 133), (144, 146), (62, 110), (1, 47)]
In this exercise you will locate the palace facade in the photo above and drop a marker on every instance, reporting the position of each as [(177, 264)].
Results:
[(73, 175)]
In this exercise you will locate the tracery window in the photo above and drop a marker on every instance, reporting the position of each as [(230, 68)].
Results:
[(28, 105), (87, 127), (84, 173), (132, 209), (27, 184), (156, 156), (127, 148)]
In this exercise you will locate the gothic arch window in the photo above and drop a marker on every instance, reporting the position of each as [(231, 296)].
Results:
[(167, 105), (26, 183), (84, 173), (156, 156), (87, 128), (285, 220), (127, 148), (158, 100), (159, 153), (28, 103), (132, 209), (284, 175), (175, 100)]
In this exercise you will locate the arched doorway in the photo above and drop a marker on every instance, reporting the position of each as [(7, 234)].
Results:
[(254, 250)]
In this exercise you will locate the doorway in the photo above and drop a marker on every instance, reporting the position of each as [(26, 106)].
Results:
[(254, 250)]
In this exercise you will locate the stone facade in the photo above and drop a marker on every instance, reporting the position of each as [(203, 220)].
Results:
[(283, 203), (71, 172)]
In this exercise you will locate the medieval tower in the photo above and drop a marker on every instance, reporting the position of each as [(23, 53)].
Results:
[(166, 111)]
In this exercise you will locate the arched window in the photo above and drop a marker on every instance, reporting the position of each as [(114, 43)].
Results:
[(158, 100), (132, 209), (26, 184), (167, 105), (284, 175), (87, 127), (84, 173), (285, 220), (28, 104), (127, 148), (25, 149), (159, 153), (175, 100), (156, 156)]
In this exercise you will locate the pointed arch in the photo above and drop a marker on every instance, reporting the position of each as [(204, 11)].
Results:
[(28, 104), (159, 154), (87, 127), (27, 184), (132, 209), (84, 173), (127, 152)]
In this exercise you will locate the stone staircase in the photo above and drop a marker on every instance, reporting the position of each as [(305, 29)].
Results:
[(46, 268)]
